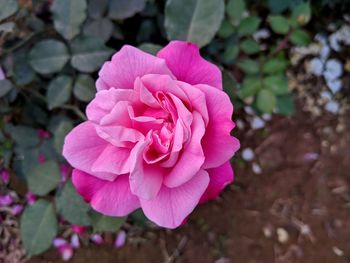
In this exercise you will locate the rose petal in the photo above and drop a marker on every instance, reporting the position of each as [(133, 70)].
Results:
[(128, 64), (220, 177), (218, 145), (173, 205), (109, 198), (185, 62), (145, 180), (192, 157), (82, 147)]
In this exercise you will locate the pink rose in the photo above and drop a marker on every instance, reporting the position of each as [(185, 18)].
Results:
[(157, 135)]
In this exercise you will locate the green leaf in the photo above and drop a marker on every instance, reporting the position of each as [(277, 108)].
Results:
[(275, 65), (7, 8), (249, 87), (84, 88), (48, 56), (121, 9), (235, 10), (59, 90), (285, 105), (225, 30), (43, 178), (249, 66), (71, 206), (301, 14), (300, 38), (150, 48), (89, 53), (266, 101), (60, 132), (38, 227), (230, 54), (68, 16), (102, 223), (195, 21), (279, 24), (100, 28), (22, 71), (23, 135), (278, 84), (97, 8), (249, 46), (5, 87), (249, 25)]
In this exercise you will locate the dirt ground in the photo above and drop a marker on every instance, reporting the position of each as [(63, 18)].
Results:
[(297, 210)]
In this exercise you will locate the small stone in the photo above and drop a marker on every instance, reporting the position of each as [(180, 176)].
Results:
[(249, 110), (257, 123), (326, 95), (247, 154), (267, 230), (261, 34), (256, 168), (334, 85), (332, 107), (333, 69), (282, 235), (338, 251), (240, 124), (266, 116), (315, 66)]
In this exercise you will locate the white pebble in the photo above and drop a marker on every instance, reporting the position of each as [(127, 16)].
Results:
[(332, 106), (249, 110), (240, 124), (338, 251), (333, 70), (326, 95), (247, 154), (266, 116), (257, 123), (334, 85), (282, 235), (256, 168), (315, 66)]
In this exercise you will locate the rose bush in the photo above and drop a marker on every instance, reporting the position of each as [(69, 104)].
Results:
[(157, 135)]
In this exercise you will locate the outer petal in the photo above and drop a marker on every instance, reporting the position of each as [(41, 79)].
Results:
[(109, 198), (86, 184), (185, 62), (173, 205), (128, 64), (192, 157), (82, 147), (220, 177), (218, 145), (115, 198)]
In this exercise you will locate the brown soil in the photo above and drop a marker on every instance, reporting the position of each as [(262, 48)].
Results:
[(307, 199)]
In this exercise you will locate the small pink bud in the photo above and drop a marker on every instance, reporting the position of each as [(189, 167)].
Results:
[(120, 239), (2, 74), (65, 171), (5, 176), (58, 242), (5, 200), (43, 134), (31, 198), (97, 239), (311, 156), (17, 209), (66, 252), (41, 158), (78, 229), (74, 241)]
